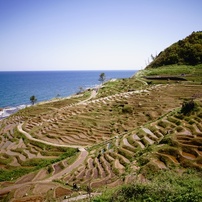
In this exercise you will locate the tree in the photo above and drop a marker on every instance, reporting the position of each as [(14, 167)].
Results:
[(33, 99), (187, 51), (188, 106), (81, 89), (102, 77), (153, 57)]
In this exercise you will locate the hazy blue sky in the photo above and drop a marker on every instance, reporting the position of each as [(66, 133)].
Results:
[(91, 34)]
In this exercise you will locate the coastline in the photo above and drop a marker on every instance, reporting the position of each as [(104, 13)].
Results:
[(6, 112), (17, 87)]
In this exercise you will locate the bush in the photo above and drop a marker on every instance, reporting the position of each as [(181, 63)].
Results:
[(127, 109), (50, 169), (167, 140), (188, 106)]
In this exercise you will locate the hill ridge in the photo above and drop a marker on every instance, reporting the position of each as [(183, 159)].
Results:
[(187, 51)]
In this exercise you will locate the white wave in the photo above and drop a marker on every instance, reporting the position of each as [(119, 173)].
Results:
[(11, 110)]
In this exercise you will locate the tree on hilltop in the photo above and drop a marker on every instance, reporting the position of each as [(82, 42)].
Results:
[(33, 99), (102, 77)]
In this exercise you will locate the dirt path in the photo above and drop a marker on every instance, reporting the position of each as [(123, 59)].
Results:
[(45, 142), (80, 197), (67, 170), (93, 95)]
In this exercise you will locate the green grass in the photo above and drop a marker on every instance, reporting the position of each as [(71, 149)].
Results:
[(191, 73), (170, 70), (163, 186), (34, 164), (5, 159), (14, 173), (119, 86)]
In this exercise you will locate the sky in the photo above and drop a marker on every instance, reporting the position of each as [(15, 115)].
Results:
[(91, 34)]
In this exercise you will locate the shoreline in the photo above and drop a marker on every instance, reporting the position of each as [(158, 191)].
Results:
[(49, 85), (7, 111)]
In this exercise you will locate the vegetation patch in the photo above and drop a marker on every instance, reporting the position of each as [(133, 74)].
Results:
[(163, 186), (187, 51)]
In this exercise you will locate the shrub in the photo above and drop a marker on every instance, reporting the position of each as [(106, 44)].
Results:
[(50, 169), (127, 109), (167, 140), (188, 106), (142, 161)]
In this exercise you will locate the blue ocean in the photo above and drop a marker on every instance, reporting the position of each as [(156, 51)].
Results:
[(16, 88)]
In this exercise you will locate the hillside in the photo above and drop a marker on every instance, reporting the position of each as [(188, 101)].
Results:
[(121, 134), (135, 139), (184, 52)]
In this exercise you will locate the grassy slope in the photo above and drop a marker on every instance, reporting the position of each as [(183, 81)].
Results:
[(190, 73), (164, 186)]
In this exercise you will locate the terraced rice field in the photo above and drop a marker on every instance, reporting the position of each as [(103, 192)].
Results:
[(100, 119), (116, 135), (176, 148)]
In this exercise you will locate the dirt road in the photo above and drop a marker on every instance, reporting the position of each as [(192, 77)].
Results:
[(45, 142), (66, 170)]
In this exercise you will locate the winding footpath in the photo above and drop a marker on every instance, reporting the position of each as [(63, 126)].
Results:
[(82, 149), (82, 156), (28, 136)]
